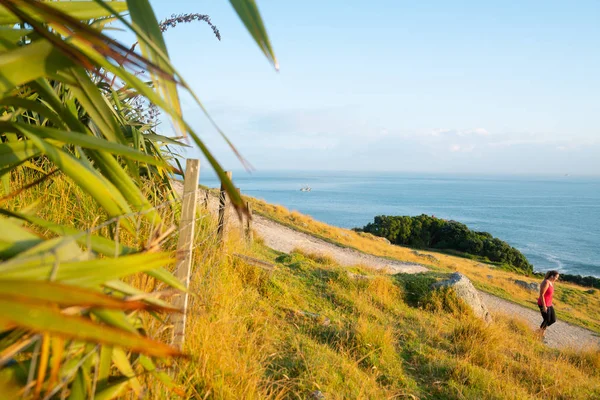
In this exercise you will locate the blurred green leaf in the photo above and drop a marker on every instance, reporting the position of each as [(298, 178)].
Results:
[(149, 366), (129, 290), (14, 153), (46, 318), (89, 273), (104, 364), (28, 63), (81, 139), (112, 391), (35, 106), (9, 38), (143, 17), (250, 16), (15, 239), (81, 10), (96, 105), (121, 361), (164, 139), (115, 318), (95, 184), (65, 295), (78, 388), (98, 244)]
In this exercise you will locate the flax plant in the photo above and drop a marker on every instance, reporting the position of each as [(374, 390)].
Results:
[(72, 102)]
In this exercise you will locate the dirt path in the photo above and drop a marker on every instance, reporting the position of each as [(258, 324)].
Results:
[(559, 335), (284, 239)]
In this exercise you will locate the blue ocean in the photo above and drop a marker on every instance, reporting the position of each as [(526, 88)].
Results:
[(554, 221)]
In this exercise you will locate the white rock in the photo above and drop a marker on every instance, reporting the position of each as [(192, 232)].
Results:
[(465, 290)]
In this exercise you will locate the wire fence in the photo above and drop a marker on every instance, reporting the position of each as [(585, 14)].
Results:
[(158, 228), (153, 229), (127, 233)]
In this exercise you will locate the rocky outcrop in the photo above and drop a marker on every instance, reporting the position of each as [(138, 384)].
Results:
[(465, 290), (534, 287), (428, 257), (374, 237)]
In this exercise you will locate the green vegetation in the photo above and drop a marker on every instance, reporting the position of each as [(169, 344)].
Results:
[(86, 256), (77, 113), (589, 281), (310, 327), (577, 305), (451, 237), (425, 232)]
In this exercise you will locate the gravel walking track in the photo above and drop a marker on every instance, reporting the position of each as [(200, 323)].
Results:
[(284, 239)]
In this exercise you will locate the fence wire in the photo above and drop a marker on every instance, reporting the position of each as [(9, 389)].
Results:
[(111, 239)]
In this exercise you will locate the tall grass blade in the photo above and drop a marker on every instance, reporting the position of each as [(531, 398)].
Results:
[(97, 186), (89, 273), (82, 140), (15, 239), (248, 12), (144, 18), (66, 295), (111, 392), (82, 10), (46, 318), (27, 63)]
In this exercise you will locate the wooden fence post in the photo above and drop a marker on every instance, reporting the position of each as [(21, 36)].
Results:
[(206, 198), (223, 202), (249, 235), (184, 246)]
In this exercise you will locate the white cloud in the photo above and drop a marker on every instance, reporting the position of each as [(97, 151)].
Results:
[(455, 148), (477, 131), (516, 142), (566, 148), (346, 138), (290, 142), (445, 132)]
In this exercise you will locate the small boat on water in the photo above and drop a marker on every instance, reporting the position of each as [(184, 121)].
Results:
[(305, 189)]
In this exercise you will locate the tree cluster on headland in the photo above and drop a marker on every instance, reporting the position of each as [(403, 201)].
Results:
[(428, 232)]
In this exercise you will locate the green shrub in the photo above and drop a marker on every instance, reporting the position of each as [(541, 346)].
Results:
[(426, 231)]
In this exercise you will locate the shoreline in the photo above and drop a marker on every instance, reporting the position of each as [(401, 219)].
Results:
[(553, 223)]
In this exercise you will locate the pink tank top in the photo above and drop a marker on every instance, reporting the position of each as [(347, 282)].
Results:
[(547, 296)]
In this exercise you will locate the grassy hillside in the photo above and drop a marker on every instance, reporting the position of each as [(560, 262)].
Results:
[(309, 327), (574, 303)]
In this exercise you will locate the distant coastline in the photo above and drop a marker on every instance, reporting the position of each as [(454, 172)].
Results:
[(553, 221)]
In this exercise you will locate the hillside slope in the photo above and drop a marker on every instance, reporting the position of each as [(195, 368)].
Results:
[(284, 239), (281, 238), (309, 329)]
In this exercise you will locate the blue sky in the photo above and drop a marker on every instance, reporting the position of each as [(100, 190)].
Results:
[(469, 86)]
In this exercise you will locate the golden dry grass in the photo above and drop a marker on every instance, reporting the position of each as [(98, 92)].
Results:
[(311, 327), (573, 304)]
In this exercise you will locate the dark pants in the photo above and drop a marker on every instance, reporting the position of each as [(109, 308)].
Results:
[(549, 317)]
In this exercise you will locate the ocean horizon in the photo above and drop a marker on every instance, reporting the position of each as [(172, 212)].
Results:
[(554, 220)]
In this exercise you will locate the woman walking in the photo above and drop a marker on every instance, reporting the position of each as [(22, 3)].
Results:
[(545, 300)]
